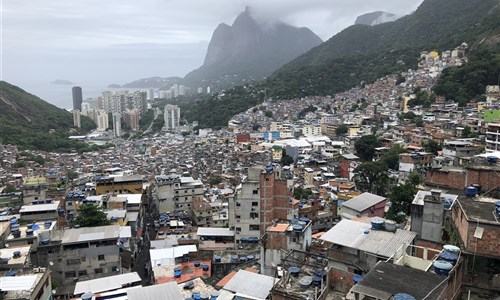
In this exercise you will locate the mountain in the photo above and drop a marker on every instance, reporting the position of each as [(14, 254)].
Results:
[(31, 123), (248, 50), (62, 82), (364, 53), (151, 82), (375, 18)]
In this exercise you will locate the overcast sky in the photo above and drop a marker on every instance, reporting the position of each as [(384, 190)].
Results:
[(97, 42)]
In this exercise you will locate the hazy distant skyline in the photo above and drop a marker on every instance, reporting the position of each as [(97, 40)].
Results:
[(94, 43)]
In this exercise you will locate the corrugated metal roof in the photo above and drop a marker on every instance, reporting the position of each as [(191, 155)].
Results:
[(214, 231), (39, 207), (351, 234), (168, 290), (363, 201), (18, 283), (77, 235), (167, 256), (106, 283), (245, 283)]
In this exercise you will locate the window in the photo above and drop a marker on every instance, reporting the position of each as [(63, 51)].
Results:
[(254, 215), (70, 274), (73, 261), (83, 258), (255, 192), (98, 271), (100, 257), (238, 204), (254, 227), (238, 229), (255, 203), (114, 269), (82, 273)]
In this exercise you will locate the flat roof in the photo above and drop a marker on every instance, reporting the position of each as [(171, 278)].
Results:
[(245, 283), (387, 279), (214, 231), (168, 290), (106, 283), (9, 253), (482, 211), (19, 283), (166, 255), (39, 207), (281, 227), (352, 234), (87, 234), (420, 196)]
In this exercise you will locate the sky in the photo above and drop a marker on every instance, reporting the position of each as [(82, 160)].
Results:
[(94, 43)]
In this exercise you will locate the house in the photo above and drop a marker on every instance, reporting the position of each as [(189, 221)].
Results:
[(364, 205), (356, 243), (244, 284), (168, 290), (30, 284), (106, 284)]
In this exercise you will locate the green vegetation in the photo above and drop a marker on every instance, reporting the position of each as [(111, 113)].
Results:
[(286, 159), (341, 130), (90, 215), (468, 82), (31, 123), (365, 147), (401, 197), (300, 193), (391, 157), (372, 177)]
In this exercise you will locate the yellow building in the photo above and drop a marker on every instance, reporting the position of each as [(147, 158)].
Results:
[(119, 185), (277, 153)]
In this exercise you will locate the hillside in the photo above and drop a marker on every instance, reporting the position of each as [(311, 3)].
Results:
[(365, 53), (25, 121), (375, 18), (248, 50)]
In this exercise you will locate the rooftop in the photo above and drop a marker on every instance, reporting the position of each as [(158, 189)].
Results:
[(168, 290), (19, 287), (87, 234), (363, 201), (189, 272), (39, 207), (106, 283), (214, 231), (387, 279), (482, 210), (353, 234), (244, 283), (8, 253)]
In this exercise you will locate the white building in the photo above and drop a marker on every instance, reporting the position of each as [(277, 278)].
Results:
[(493, 137), (117, 125), (76, 118), (311, 130), (172, 117)]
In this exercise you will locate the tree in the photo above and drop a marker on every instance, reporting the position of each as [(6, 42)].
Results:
[(300, 193), (72, 175), (401, 198), (365, 147), (9, 189), (268, 114), (371, 177), (432, 147), (90, 215), (341, 130), (286, 159), (466, 132), (391, 157)]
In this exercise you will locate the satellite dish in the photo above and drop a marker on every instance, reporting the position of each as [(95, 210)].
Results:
[(51, 263), (6, 245)]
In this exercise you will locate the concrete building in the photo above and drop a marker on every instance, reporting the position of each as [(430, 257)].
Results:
[(46, 210), (311, 130), (282, 236), (119, 185), (428, 213), (245, 207), (493, 137), (117, 125), (176, 193), (131, 118), (82, 253), (102, 120), (77, 98), (172, 116), (364, 205), (76, 118), (30, 284)]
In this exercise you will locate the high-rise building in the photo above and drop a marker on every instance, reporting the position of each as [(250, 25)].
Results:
[(131, 118), (77, 118), (77, 97), (120, 101), (117, 125), (102, 120), (172, 117)]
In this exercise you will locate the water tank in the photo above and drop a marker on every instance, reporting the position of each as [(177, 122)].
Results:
[(297, 227), (177, 272), (217, 259), (196, 264), (243, 258), (214, 295), (321, 273), (471, 191), (47, 224), (478, 187), (390, 225), (250, 257), (204, 296), (14, 227), (294, 271), (205, 267), (403, 296), (442, 267), (235, 258), (11, 273), (87, 296), (447, 203), (491, 159), (377, 223), (449, 257), (60, 212), (316, 280), (45, 241), (357, 278), (29, 232), (16, 233), (35, 227), (13, 222), (451, 248), (196, 296), (17, 254), (305, 282), (30, 225), (304, 219), (4, 260)]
